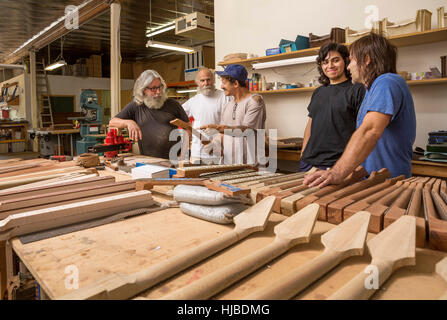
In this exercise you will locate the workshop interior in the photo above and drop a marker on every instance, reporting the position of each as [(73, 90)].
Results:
[(219, 150)]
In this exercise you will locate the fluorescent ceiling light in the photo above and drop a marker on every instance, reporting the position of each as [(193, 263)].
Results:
[(186, 90), (56, 65), (281, 63), (152, 33), (169, 46), (49, 27)]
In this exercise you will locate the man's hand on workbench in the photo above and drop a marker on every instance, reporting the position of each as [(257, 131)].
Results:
[(322, 178), (135, 133)]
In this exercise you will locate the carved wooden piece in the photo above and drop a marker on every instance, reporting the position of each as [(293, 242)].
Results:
[(289, 233), (380, 207), (62, 186), (366, 202), (441, 269), (195, 172), (443, 191), (391, 249), (440, 205), (44, 219), (126, 286), (233, 191), (54, 197), (335, 209), (344, 241), (288, 204), (437, 228), (374, 178), (357, 175), (414, 209)]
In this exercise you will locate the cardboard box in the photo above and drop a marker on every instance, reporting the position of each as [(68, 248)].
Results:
[(174, 71), (97, 65), (170, 70)]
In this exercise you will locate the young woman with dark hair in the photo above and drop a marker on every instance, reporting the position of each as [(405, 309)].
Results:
[(332, 109), (386, 122)]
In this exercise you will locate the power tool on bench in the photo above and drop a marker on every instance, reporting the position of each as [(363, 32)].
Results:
[(114, 143)]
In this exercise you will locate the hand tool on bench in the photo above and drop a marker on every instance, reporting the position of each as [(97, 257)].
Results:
[(335, 209), (293, 231), (391, 249), (374, 178), (344, 241), (126, 286), (357, 175), (148, 184), (441, 269)]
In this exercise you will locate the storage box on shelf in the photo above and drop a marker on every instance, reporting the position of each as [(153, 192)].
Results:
[(442, 18), (422, 22), (336, 35)]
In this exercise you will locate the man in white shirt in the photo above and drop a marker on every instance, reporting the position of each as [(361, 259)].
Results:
[(205, 108)]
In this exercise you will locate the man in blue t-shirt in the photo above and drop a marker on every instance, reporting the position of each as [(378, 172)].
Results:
[(386, 121)]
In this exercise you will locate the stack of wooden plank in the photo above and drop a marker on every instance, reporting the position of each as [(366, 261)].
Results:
[(386, 199)]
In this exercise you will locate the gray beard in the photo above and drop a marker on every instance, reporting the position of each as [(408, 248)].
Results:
[(207, 91), (155, 103)]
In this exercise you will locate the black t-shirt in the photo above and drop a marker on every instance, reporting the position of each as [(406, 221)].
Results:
[(333, 110), (155, 126)]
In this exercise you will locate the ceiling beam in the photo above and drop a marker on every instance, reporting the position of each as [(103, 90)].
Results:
[(89, 11)]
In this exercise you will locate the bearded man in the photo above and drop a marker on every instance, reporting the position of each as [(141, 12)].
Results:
[(147, 117), (205, 108)]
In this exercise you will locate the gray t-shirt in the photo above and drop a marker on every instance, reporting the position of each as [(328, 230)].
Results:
[(251, 113), (155, 126)]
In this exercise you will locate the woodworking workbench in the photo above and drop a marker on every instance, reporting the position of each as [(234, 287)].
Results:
[(134, 244)]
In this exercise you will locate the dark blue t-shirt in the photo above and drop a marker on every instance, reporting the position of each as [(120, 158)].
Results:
[(389, 94)]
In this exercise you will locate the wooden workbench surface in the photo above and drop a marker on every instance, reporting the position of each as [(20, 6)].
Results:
[(137, 243)]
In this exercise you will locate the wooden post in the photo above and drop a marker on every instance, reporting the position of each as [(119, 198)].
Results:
[(34, 107), (2, 269), (115, 58)]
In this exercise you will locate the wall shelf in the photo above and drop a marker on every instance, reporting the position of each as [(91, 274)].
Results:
[(311, 89), (411, 39), (191, 83)]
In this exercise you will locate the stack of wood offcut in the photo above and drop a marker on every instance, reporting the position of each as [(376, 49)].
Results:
[(38, 195)]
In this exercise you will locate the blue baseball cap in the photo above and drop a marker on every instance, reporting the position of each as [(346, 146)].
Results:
[(236, 71)]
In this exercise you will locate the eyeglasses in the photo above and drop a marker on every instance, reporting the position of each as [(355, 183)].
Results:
[(155, 89), (234, 111)]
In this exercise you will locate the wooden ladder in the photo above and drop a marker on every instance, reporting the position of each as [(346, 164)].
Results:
[(43, 94)]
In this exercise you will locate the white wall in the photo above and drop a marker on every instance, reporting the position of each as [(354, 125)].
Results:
[(254, 25), (67, 85)]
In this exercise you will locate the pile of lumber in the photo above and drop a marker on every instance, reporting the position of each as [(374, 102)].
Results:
[(387, 199)]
